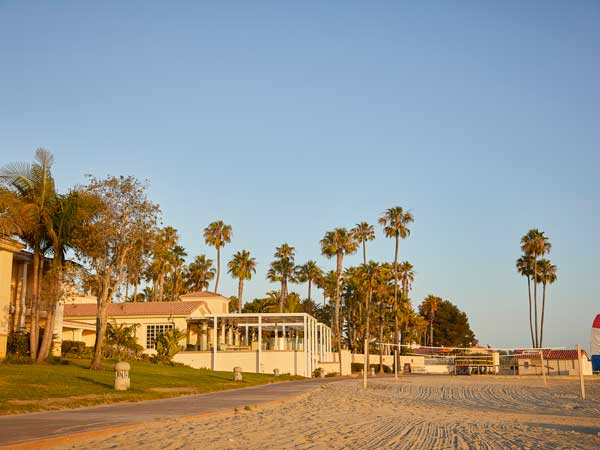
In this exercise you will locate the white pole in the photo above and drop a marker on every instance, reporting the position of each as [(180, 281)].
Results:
[(581, 381), (543, 371), (214, 354), (305, 347), (396, 364), (258, 359), (365, 365)]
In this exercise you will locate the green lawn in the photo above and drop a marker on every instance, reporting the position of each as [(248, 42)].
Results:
[(26, 388)]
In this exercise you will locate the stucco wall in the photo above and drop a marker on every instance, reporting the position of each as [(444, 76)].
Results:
[(554, 367), (6, 259)]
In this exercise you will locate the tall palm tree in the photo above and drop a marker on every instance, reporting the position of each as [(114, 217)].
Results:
[(363, 232), (33, 186), (283, 270), (395, 222), (406, 274), (242, 266), (338, 243), (200, 272), (309, 273), (535, 244), (217, 234), (547, 275), (368, 274), (525, 268)]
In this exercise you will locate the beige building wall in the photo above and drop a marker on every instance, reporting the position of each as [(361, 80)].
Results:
[(554, 366), (7, 250)]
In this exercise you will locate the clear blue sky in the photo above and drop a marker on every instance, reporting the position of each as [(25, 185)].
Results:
[(287, 120)]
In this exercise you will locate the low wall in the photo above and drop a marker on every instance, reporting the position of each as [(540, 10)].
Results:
[(334, 365), (287, 361), (388, 360)]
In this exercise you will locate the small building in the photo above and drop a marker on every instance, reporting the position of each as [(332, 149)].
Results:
[(556, 362), (152, 318)]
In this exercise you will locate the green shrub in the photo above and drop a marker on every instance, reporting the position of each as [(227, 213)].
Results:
[(317, 372), (18, 344), (167, 345), (12, 358), (74, 348), (331, 375)]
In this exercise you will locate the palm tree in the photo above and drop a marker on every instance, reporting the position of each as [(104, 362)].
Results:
[(283, 270), (547, 275), (525, 268), (217, 234), (309, 273), (33, 186), (338, 243), (430, 306), (242, 266), (200, 272), (395, 222), (535, 244), (363, 232), (368, 274)]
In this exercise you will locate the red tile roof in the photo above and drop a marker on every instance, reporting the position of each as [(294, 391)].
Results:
[(136, 309), (204, 294), (549, 354)]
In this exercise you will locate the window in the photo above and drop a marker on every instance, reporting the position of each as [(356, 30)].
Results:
[(152, 331)]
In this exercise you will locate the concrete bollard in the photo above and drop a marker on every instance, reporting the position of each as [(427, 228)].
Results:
[(276, 372), (372, 371), (122, 381), (237, 374)]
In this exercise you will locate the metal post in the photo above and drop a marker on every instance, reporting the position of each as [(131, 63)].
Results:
[(581, 381), (365, 363), (396, 364)]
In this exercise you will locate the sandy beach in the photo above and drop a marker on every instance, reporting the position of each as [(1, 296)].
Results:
[(415, 412)]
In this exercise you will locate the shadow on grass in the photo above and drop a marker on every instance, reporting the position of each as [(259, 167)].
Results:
[(96, 382)]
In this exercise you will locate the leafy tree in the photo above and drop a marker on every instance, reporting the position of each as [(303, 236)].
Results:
[(363, 232), (268, 304), (217, 234), (242, 266), (127, 218), (122, 337), (199, 273), (450, 323), (338, 243), (395, 222)]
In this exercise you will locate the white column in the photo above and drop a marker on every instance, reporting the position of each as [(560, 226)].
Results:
[(247, 343), (284, 346), (305, 346), (222, 337), (215, 344), (258, 360)]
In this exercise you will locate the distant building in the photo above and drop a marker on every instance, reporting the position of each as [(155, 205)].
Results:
[(556, 362)]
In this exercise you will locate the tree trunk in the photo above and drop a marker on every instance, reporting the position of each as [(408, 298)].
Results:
[(309, 286), (101, 321), (127, 288), (240, 292), (282, 295), (530, 315), (336, 320), (47, 337), (431, 332), (161, 286), (364, 244), (35, 300), (380, 336), (535, 301), (396, 309), (218, 270), (135, 291), (542, 320)]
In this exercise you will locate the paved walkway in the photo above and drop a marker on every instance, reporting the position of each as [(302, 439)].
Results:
[(43, 425)]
